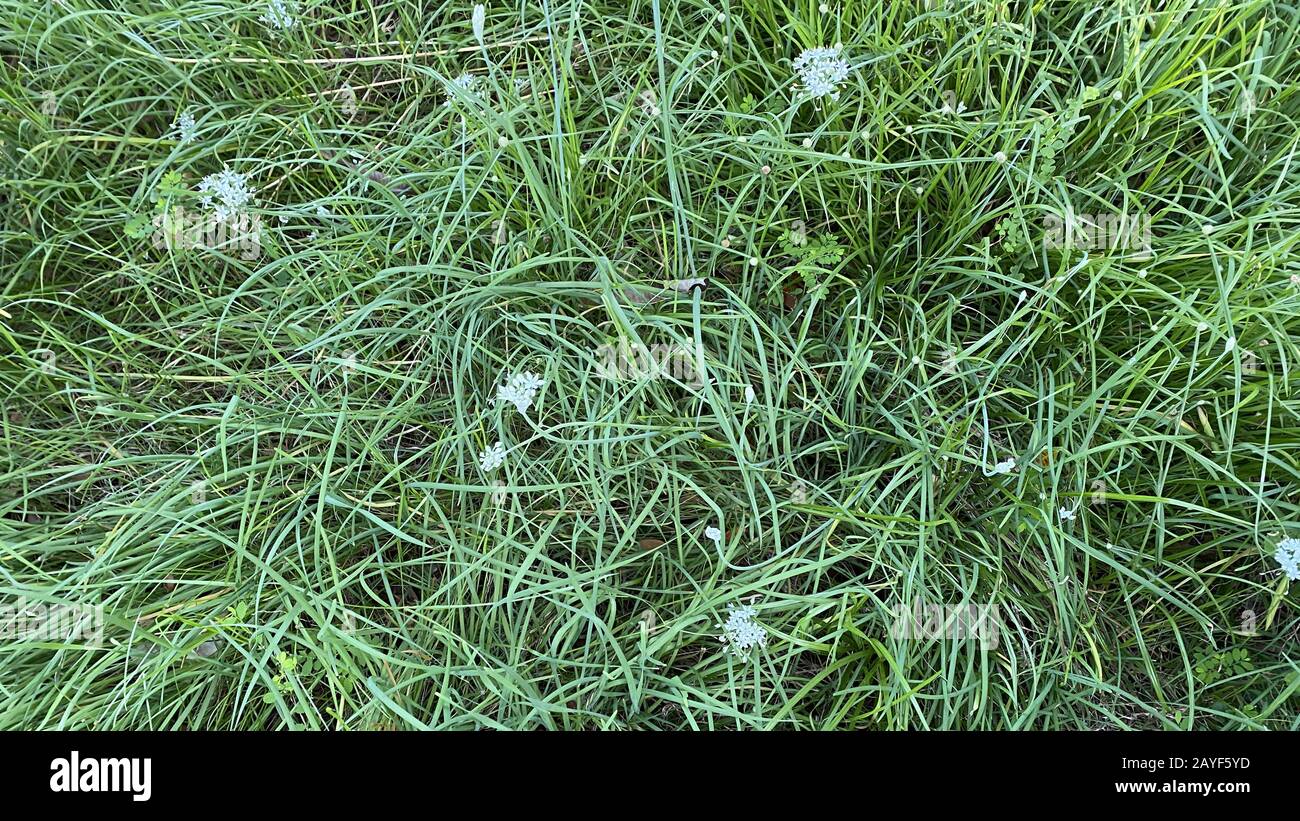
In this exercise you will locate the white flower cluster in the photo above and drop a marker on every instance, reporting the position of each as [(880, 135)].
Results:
[(1288, 555), (520, 390), (740, 633), (492, 458), (229, 190), (186, 128), (280, 14), (821, 72), (466, 83)]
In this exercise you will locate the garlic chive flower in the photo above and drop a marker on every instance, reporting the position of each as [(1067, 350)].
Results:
[(492, 458), (280, 14), (714, 534), (740, 633), (186, 128), (520, 389), (226, 192), (1288, 556), (821, 72), (466, 83)]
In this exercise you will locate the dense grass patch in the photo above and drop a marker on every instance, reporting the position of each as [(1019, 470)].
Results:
[(907, 383)]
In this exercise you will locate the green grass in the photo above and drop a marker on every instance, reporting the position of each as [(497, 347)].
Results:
[(277, 458)]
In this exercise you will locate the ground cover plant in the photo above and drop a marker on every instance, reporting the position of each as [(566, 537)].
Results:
[(649, 365)]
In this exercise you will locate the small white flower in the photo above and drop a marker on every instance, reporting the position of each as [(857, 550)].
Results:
[(520, 389), (1248, 102), (714, 534), (186, 128), (1000, 157), (740, 633), (347, 101), (466, 83), (479, 18), (949, 363), (749, 394), (685, 285), (1065, 514), (492, 458), (280, 14), (323, 212), (799, 492), (499, 495), (1207, 228), (1230, 345), (821, 71), (1288, 556), (228, 191), (1004, 467)]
